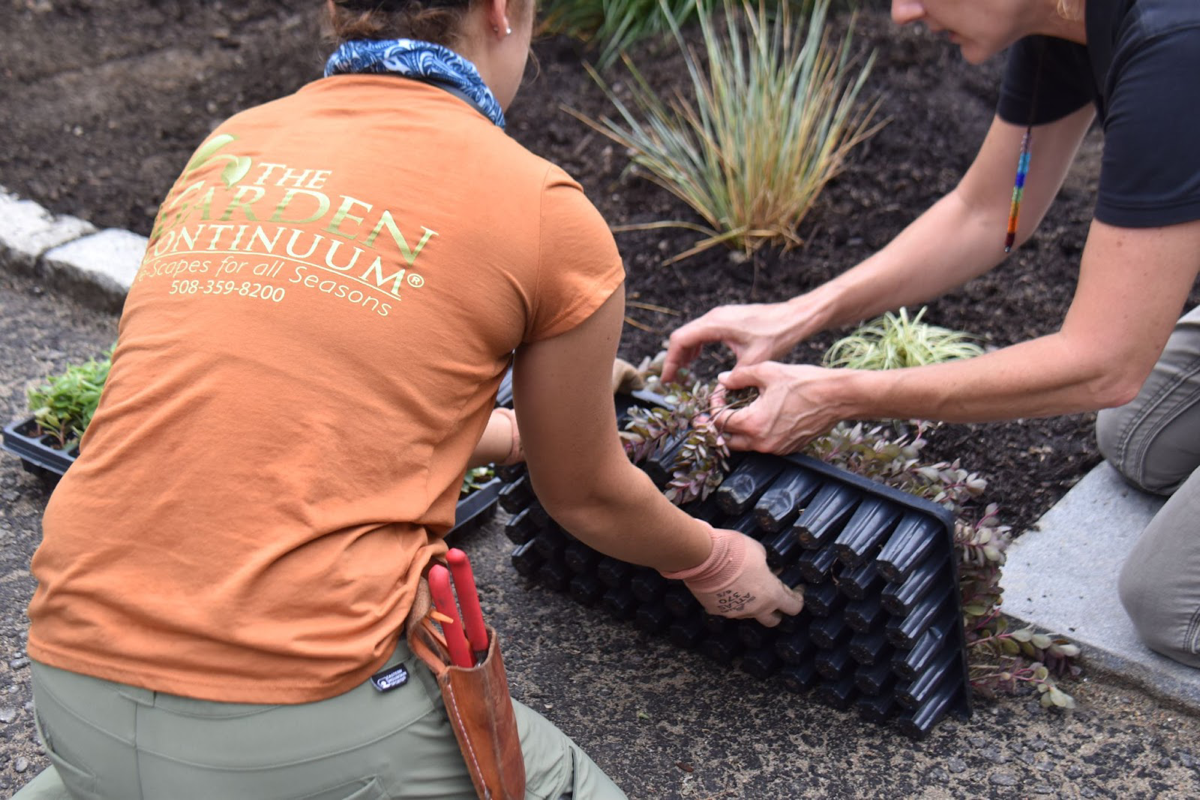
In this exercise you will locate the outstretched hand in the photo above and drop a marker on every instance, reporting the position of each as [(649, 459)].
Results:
[(755, 333), (734, 581), (794, 406)]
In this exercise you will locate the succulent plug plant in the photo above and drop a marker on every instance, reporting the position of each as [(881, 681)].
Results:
[(476, 478), (703, 460)]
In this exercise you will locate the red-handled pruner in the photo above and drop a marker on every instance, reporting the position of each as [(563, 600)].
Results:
[(468, 598), (443, 601)]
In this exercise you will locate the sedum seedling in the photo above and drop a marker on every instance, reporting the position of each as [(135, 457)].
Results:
[(476, 478), (703, 460)]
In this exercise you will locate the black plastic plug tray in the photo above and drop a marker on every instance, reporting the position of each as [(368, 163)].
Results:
[(476, 508), (36, 450), (882, 625)]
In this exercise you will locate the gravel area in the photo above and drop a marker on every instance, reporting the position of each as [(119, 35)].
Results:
[(39, 335)]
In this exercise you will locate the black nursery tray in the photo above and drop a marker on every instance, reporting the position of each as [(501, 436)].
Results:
[(39, 457), (881, 629), (37, 451), (476, 508)]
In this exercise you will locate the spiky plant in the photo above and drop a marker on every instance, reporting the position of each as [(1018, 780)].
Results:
[(771, 116)]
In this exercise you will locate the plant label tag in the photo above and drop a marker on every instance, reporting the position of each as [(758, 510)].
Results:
[(390, 678)]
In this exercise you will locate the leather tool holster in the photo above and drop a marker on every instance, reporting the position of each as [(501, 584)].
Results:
[(479, 706)]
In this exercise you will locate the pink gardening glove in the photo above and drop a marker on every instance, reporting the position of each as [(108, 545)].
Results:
[(734, 581)]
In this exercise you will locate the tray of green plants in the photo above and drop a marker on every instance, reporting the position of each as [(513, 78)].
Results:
[(882, 628), (62, 407), (39, 452)]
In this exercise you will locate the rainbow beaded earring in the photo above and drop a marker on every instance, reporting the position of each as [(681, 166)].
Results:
[(1014, 211)]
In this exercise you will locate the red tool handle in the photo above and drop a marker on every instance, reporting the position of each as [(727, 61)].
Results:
[(468, 598), (443, 600)]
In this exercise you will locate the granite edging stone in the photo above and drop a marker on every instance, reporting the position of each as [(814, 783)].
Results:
[(69, 255)]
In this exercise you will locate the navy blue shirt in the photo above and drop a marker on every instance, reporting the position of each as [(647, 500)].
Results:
[(1141, 70)]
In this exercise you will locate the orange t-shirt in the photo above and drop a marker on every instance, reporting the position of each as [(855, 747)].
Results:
[(307, 358)]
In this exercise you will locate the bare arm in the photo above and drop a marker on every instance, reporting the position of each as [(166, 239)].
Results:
[(958, 238), (962, 235), (497, 443), (1132, 287), (563, 396)]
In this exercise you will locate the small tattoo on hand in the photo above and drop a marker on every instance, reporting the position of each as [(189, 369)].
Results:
[(728, 600)]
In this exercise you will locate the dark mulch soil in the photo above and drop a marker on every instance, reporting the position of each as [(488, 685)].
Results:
[(102, 102)]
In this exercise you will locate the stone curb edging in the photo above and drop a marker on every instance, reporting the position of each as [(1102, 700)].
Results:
[(1061, 576), (69, 255)]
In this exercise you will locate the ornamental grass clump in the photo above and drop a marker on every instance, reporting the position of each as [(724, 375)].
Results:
[(64, 404), (894, 341), (609, 27), (771, 116)]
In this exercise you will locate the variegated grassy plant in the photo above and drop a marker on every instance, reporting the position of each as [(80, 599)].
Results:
[(771, 117), (894, 341)]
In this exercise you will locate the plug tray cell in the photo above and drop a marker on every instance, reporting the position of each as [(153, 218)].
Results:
[(38, 452), (881, 631)]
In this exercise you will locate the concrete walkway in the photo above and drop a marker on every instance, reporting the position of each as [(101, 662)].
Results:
[(69, 255), (1062, 577)]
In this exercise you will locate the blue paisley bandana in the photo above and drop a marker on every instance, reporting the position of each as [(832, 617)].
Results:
[(420, 60)]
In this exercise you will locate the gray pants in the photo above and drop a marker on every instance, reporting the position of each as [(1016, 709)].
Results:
[(1154, 442), (114, 742)]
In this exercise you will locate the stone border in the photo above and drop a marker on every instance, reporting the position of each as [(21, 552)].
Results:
[(69, 255), (1061, 577)]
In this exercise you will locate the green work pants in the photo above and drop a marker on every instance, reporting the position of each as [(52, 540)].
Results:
[(1154, 442), (117, 742)]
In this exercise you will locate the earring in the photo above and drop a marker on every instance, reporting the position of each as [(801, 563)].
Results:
[(508, 30)]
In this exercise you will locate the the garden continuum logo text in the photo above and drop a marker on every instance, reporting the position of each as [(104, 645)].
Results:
[(249, 213)]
